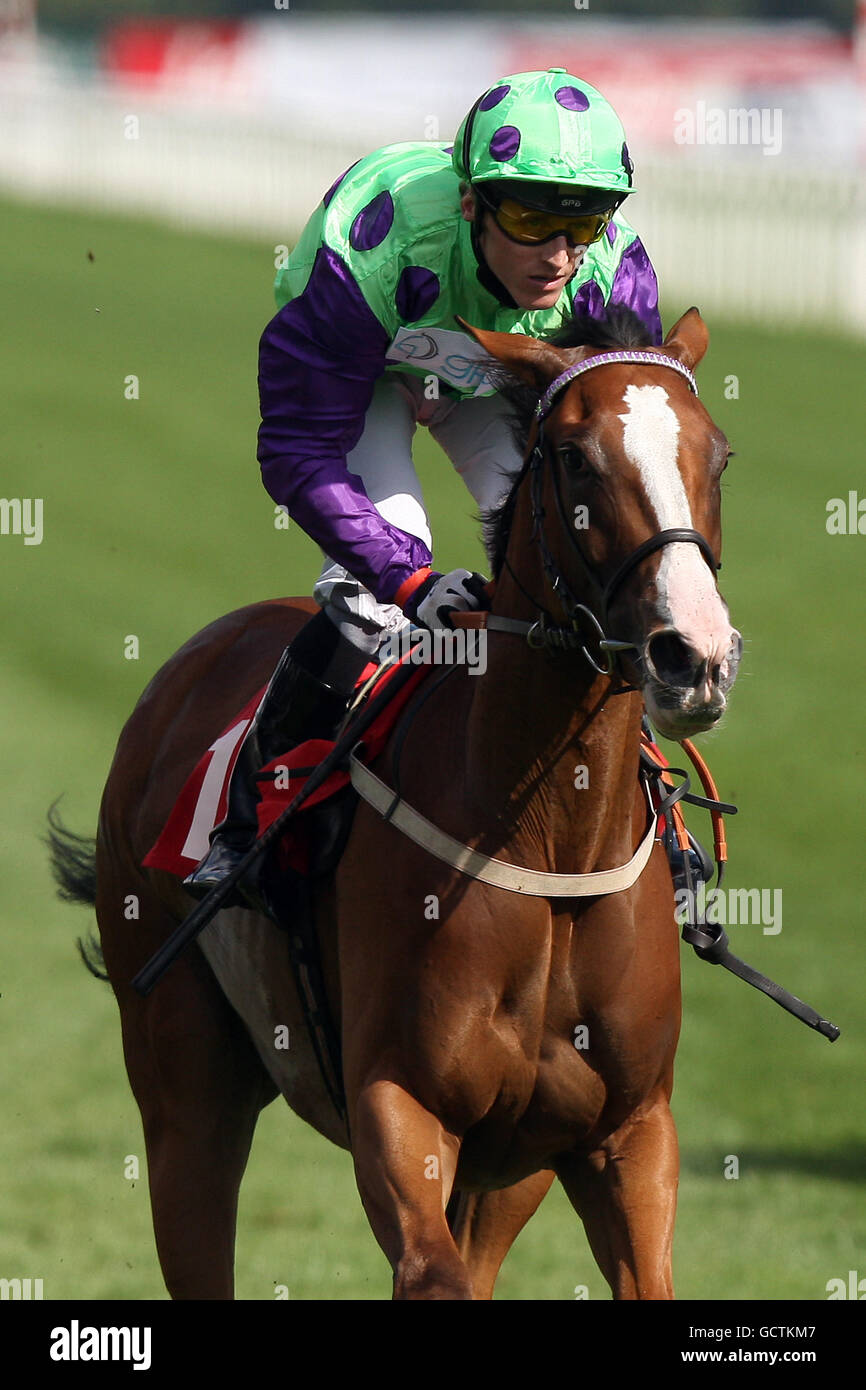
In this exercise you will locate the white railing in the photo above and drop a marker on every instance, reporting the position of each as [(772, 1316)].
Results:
[(758, 243), (742, 239)]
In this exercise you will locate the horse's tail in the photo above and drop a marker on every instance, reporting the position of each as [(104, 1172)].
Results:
[(73, 864)]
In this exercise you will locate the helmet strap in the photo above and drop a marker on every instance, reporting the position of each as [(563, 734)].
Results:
[(485, 275)]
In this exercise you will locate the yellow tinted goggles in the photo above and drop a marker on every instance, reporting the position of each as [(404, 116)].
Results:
[(530, 227)]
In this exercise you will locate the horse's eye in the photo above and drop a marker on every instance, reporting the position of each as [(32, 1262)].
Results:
[(571, 457)]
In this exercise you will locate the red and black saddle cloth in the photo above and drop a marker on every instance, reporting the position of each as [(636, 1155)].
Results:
[(202, 802)]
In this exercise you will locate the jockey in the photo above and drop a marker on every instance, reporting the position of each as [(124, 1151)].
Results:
[(516, 228)]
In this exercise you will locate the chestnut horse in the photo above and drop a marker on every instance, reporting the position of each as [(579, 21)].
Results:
[(491, 1039)]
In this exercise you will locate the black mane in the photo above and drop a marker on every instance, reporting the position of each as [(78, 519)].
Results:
[(618, 327)]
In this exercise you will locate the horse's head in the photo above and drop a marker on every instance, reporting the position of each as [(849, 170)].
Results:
[(623, 473)]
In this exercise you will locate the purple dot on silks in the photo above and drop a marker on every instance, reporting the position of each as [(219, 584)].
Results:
[(493, 98), (626, 162), (572, 98), (449, 149), (417, 291), (505, 143), (373, 223), (336, 184), (610, 233)]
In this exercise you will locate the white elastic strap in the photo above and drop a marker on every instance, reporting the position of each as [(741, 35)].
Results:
[(497, 872)]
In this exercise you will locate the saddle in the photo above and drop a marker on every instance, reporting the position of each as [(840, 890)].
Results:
[(316, 836)]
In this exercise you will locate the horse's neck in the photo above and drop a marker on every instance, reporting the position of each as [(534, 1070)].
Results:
[(551, 747)]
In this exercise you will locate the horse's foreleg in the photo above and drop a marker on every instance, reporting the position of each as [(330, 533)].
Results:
[(405, 1162), (625, 1193), (485, 1225), (200, 1087)]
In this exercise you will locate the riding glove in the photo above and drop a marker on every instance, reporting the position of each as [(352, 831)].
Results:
[(433, 601)]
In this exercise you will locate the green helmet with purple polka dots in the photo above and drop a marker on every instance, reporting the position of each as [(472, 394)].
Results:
[(545, 128)]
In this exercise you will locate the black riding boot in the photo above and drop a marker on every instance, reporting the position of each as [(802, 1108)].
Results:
[(296, 706)]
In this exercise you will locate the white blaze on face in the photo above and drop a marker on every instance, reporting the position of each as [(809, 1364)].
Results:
[(685, 582)]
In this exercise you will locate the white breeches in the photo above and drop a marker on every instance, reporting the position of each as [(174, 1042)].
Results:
[(474, 434)]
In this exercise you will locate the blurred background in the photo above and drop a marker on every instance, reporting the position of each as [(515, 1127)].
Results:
[(242, 106), (154, 158)]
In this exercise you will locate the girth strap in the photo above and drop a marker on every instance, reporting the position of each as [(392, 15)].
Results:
[(496, 871)]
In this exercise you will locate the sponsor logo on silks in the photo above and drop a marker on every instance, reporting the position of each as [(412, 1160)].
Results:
[(443, 353)]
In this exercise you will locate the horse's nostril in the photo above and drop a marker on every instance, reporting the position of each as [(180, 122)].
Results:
[(674, 661)]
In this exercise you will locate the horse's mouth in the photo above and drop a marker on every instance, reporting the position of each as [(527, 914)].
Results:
[(686, 693), (679, 714)]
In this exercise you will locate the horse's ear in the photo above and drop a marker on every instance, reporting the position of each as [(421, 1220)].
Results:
[(538, 364), (689, 338)]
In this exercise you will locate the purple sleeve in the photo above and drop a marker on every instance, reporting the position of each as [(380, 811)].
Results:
[(635, 285), (319, 359)]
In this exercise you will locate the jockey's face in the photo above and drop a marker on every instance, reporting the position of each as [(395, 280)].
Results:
[(534, 276)]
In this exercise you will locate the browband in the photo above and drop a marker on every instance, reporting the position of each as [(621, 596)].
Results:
[(627, 355)]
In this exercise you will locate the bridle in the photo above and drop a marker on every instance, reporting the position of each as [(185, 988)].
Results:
[(542, 633)]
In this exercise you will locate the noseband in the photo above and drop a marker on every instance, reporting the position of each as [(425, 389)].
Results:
[(540, 633)]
